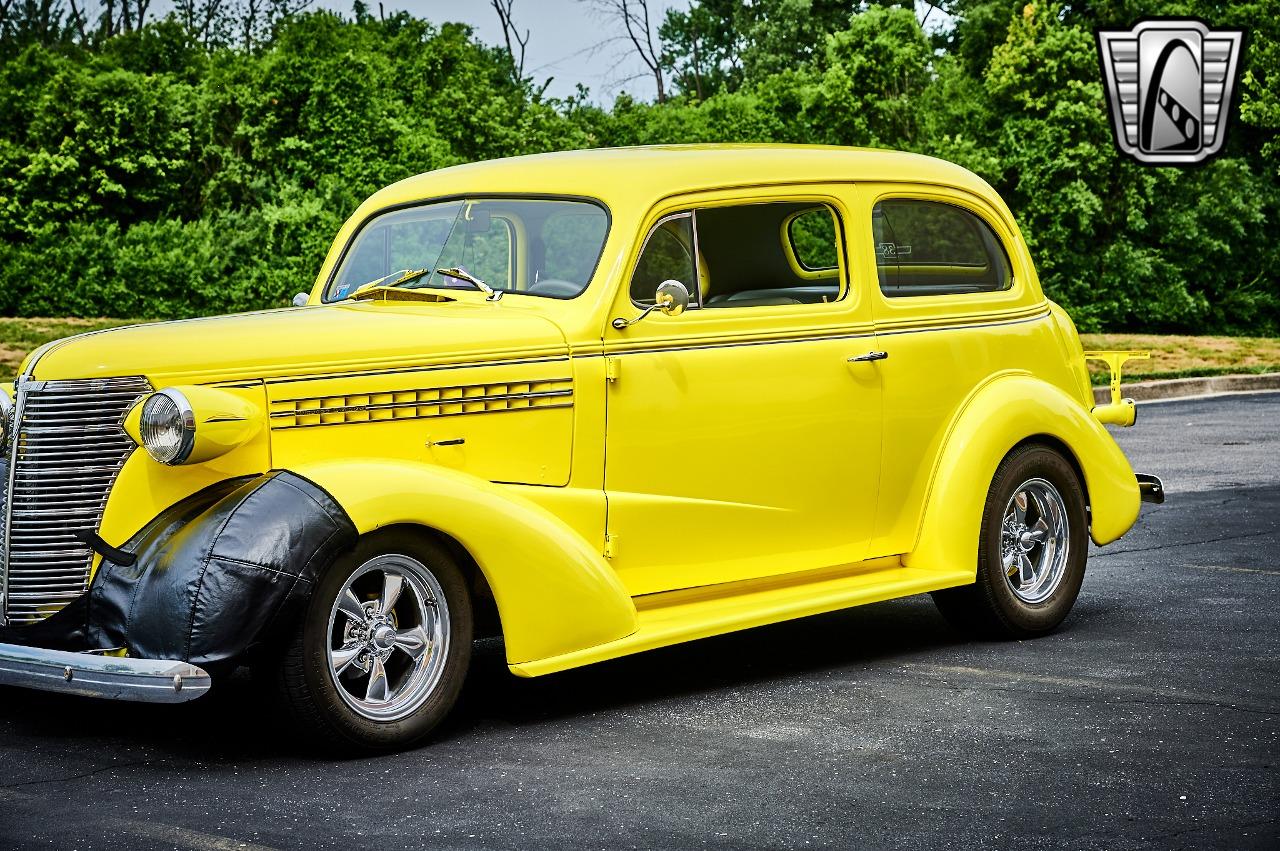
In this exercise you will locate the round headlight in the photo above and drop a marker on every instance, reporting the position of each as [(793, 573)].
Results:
[(168, 427)]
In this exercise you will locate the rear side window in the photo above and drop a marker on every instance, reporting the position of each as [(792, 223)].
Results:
[(932, 248), (812, 235)]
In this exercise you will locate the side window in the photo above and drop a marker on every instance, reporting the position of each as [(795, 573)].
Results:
[(933, 248), (812, 235), (750, 255), (770, 254), (668, 255)]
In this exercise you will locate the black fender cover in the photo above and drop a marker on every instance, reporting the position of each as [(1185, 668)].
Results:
[(214, 574)]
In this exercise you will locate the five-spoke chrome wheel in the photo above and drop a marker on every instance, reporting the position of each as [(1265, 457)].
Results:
[(388, 637), (1035, 540)]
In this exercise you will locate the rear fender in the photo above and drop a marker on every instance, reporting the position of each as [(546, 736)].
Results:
[(555, 594), (1006, 411)]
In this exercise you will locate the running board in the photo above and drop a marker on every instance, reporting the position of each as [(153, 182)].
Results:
[(674, 617)]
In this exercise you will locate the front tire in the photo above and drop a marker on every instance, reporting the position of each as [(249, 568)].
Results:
[(381, 652), (1031, 550)]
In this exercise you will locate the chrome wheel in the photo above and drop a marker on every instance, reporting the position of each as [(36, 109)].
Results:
[(1034, 540), (388, 637)]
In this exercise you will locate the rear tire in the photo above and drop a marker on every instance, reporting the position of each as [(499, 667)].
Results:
[(1032, 550), (380, 654)]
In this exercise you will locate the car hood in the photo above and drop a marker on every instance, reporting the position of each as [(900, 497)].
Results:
[(318, 340)]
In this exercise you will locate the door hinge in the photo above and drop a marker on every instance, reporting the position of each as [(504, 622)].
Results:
[(612, 368), (610, 545)]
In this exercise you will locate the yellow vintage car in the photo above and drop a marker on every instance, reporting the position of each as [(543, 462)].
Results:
[(595, 403)]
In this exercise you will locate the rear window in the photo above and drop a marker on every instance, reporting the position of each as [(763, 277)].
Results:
[(932, 248)]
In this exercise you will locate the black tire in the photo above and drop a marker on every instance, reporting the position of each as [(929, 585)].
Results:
[(990, 607), (303, 679)]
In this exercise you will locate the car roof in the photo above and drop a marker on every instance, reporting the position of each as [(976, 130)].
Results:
[(648, 174)]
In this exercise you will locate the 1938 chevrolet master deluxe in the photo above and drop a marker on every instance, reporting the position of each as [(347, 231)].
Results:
[(594, 402)]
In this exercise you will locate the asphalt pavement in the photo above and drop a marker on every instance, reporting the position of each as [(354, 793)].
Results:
[(1148, 721)]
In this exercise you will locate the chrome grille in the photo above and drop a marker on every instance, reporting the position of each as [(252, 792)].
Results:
[(68, 447)]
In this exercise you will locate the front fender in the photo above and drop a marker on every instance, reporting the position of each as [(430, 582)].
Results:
[(209, 578), (998, 416), (555, 594)]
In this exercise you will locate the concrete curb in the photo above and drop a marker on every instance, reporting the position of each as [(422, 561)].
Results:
[(1173, 388)]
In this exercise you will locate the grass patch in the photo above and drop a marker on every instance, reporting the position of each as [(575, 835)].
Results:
[(19, 336), (1174, 356)]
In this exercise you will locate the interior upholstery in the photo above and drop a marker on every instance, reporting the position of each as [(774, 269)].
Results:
[(704, 277), (753, 301), (742, 259), (744, 245)]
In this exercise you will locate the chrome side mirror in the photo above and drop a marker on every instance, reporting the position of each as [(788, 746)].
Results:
[(672, 298), (301, 299)]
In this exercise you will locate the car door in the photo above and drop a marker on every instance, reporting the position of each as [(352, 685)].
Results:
[(741, 442), (950, 288)]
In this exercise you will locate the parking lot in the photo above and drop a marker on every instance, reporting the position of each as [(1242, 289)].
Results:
[(1149, 720)]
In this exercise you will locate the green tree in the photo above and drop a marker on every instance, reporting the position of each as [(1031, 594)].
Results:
[(721, 45), (702, 47), (1122, 245), (197, 164), (872, 74)]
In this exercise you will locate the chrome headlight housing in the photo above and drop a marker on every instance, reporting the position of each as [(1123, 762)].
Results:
[(167, 427), (194, 423)]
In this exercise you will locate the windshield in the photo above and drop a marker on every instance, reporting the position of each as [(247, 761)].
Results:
[(543, 248)]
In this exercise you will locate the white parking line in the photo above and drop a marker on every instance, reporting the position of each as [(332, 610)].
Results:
[(184, 838), (179, 837), (1235, 569), (1112, 685)]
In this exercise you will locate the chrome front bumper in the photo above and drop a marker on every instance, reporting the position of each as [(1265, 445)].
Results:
[(92, 675)]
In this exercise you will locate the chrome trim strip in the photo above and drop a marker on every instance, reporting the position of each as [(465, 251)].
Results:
[(425, 403), (20, 388), (961, 326), (92, 675), (814, 338), (427, 416), (403, 370), (508, 382)]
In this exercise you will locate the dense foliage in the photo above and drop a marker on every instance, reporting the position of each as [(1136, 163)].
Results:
[(176, 169)]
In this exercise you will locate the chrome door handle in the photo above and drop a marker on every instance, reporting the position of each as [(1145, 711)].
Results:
[(869, 356)]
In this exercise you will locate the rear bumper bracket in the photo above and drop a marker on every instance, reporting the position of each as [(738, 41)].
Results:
[(1151, 488)]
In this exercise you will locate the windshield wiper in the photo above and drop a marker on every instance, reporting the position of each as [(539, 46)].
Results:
[(400, 294), (490, 294), (406, 276), (402, 277)]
